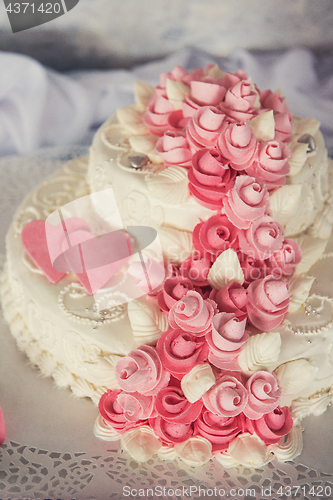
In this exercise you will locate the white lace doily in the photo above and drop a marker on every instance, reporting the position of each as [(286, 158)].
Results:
[(51, 452)]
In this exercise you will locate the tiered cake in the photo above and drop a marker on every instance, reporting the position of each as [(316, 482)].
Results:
[(231, 346)]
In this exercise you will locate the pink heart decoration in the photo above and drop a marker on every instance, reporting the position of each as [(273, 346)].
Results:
[(71, 247), (34, 241)]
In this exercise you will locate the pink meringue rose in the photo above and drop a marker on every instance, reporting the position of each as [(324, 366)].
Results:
[(210, 178), (174, 289), (113, 413), (238, 102), (171, 432), (180, 351), (204, 127), (272, 165), (172, 405), (192, 313), (264, 394), (231, 299), (136, 406), (142, 371), (227, 398), (174, 149), (283, 128), (206, 93), (229, 80), (196, 269), (161, 116), (268, 302), (179, 74), (284, 261), (220, 431), (253, 269), (273, 426), (273, 100), (262, 239), (226, 339), (246, 201), (237, 144), (215, 235)]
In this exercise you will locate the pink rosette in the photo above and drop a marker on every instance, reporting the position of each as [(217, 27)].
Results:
[(172, 405), (253, 269), (272, 165), (136, 406), (203, 93), (174, 149), (226, 339), (231, 299), (262, 239), (284, 261), (220, 431), (204, 127), (238, 102), (272, 426), (268, 303), (180, 351), (113, 413), (283, 128), (273, 100), (196, 268), (246, 201), (174, 289), (237, 144), (178, 74), (215, 235), (264, 394), (171, 432), (161, 116), (142, 371), (227, 398), (192, 314), (210, 178)]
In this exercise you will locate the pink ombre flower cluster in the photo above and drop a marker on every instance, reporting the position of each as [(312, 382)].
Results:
[(209, 132), (150, 394)]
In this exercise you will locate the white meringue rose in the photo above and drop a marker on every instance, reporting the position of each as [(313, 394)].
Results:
[(249, 450), (225, 269), (195, 451), (294, 376), (197, 382), (259, 352), (141, 443)]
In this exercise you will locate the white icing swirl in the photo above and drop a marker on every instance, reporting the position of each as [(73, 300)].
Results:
[(291, 446), (104, 431), (167, 452), (195, 451), (263, 126), (249, 450), (170, 185), (148, 322), (312, 250), (259, 352), (143, 92), (314, 405), (295, 375), (131, 119), (141, 443), (195, 383), (225, 269), (299, 289)]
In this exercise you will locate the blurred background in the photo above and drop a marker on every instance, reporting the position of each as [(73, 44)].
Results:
[(113, 33)]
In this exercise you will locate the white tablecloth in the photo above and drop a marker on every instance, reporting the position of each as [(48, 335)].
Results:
[(40, 107)]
